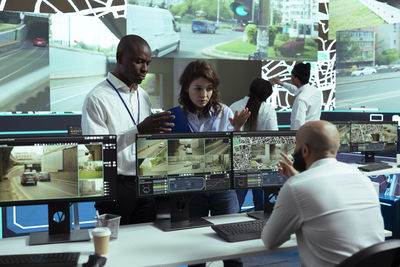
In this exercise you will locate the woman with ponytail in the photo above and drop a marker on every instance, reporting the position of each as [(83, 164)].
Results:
[(262, 117)]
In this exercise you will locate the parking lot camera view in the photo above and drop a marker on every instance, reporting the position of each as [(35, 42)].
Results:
[(38, 172), (368, 68), (253, 32)]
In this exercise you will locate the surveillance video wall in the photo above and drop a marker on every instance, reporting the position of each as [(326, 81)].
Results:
[(279, 39), (81, 49)]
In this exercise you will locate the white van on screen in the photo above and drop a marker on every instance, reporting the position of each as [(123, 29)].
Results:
[(156, 26)]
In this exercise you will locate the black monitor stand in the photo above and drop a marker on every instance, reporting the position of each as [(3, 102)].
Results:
[(369, 157), (59, 227), (270, 194), (177, 206)]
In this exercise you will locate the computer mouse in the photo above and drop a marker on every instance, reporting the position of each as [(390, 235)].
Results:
[(95, 261)]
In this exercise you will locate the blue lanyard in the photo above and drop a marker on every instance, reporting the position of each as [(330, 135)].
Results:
[(127, 109), (212, 123)]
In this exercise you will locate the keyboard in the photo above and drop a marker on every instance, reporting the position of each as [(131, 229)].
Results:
[(240, 231), (43, 260), (374, 167)]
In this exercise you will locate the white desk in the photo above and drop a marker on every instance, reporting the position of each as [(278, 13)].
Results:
[(145, 245), (392, 170)]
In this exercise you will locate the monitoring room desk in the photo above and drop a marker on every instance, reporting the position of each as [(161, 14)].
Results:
[(146, 245)]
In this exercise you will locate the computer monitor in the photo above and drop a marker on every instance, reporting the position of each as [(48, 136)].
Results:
[(370, 137), (179, 164), (57, 171), (255, 162), (343, 128)]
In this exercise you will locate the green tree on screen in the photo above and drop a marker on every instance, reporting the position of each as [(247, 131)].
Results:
[(387, 57), (346, 48)]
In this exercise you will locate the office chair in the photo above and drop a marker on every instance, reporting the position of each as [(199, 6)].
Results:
[(384, 254)]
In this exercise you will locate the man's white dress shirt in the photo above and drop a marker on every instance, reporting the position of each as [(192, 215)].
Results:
[(306, 106), (103, 112), (332, 208)]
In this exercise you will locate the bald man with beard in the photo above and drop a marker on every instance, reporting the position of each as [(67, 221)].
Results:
[(332, 207)]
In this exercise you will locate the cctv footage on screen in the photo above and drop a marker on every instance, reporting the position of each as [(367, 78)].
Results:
[(256, 158), (180, 165), (374, 136), (43, 171)]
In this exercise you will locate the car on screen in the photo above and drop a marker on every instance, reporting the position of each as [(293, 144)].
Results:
[(44, 176), (188, 150), (39, 42), (239, 28), (204, 26), (363, 71), (29, 178)]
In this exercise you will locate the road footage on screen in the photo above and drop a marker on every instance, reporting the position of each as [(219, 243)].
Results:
[(228, 30), (51, 172), (367, 68), (160, 158)]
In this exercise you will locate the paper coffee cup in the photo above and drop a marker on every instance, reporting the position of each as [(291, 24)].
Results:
[(101, 238)]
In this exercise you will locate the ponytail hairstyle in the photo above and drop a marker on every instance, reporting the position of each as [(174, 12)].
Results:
[(302, 72), (260, 90)]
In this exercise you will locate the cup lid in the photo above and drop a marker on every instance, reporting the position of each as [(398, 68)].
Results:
[(101, 231)]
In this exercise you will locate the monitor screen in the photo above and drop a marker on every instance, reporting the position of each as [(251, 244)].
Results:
[(182, 163), (373, 136), (256, 156), (37, 170), (344, 132), (367, 59)]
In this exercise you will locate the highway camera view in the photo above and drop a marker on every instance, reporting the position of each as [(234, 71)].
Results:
[(51, 171), (261, 153), (182, 156)]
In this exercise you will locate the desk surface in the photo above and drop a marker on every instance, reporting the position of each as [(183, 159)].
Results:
[(392, 170), (146, 245)]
